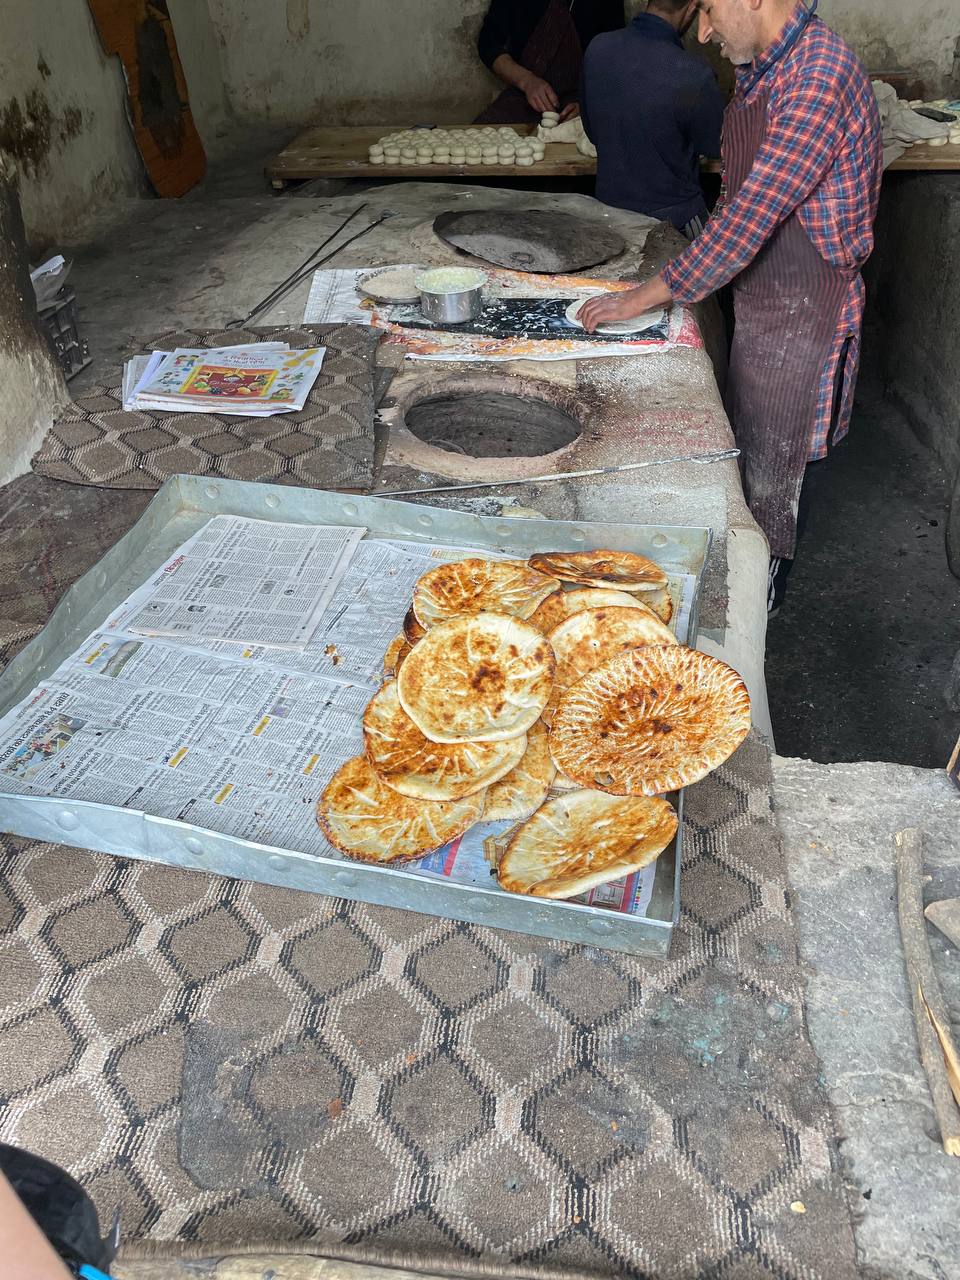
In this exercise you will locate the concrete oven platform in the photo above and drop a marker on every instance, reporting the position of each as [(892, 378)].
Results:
[(207, 261)]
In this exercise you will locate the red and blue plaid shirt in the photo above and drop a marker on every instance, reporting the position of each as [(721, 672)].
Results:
[(821, 158)]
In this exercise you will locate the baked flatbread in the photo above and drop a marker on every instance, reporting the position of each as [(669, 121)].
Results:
[(479, 586), (584, 839), (397, 650), (523, 790), (562, 604), (650, 721), (660, 601), (412, 630), (622, 570), (592, 637), (364, 819), (480, 678), (413, 765)]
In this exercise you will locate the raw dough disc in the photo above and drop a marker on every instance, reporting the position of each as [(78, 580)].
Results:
[(391, 284), (639, 324)]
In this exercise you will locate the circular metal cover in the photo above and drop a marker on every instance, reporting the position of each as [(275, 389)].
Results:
[(530, 239)]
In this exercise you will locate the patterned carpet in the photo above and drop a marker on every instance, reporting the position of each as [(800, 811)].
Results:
[(240, 1066), (328, 444)]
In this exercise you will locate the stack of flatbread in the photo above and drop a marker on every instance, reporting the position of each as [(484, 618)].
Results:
[(548, 692)]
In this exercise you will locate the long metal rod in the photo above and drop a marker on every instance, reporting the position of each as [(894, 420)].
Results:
[(562, 475), (288, 281)]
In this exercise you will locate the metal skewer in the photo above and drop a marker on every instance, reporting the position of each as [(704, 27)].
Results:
[(702, 458)]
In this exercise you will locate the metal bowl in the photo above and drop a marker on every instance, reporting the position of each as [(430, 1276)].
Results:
[(453, 308)]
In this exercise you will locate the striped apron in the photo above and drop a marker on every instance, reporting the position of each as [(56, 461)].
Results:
[(787, 304)]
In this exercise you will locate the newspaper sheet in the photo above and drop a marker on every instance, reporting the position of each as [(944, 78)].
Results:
[(252, 581), (523, 319), (242, 739), (251, 380)]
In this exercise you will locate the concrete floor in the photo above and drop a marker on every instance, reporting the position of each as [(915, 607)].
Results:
[(838, 824), (859, 659)]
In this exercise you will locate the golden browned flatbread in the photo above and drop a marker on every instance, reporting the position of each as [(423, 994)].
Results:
[(661, 602), (412, 630), (622, 570), (397, 650), (413, 765), (364, 819), (523, 790), (650, 721), (578, 841), (479, 678), (479, 586), (562, 604), (592, 637)]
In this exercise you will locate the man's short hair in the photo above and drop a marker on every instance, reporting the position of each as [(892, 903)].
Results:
[(670, 6)]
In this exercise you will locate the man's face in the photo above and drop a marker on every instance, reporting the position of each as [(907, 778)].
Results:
[(732, 24)]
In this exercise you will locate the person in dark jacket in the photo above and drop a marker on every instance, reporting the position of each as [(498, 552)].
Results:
[(536, 48), (652, 109)]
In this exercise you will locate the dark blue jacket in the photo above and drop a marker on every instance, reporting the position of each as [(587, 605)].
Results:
[(651, 109)]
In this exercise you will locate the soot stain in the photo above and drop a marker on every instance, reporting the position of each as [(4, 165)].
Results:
[(29, 130)]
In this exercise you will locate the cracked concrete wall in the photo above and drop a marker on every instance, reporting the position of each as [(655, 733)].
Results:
[(340, 62), (34, 389), (63, 110), (890, 35)]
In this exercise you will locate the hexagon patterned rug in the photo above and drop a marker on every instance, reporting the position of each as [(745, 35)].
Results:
[(239, 1066), (328, 444)]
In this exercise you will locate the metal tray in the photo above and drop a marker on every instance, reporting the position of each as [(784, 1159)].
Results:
[(179, 509)]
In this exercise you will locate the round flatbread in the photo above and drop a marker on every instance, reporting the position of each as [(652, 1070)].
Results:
[(661, 602), (650, 721), (364, 819), (586, 838), (413, 765), (592, 637), (412, 630), (480, 586), (636, 324), (523, 790), (397, 650), (621, 570), (563, 604), (483, 678)]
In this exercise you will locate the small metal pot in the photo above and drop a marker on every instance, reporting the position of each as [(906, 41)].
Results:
[(452, 308)]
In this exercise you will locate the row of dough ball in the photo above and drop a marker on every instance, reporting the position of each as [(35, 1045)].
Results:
[(456, 146), (941, 104)]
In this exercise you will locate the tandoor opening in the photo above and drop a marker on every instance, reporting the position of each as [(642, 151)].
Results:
[(492, 424)]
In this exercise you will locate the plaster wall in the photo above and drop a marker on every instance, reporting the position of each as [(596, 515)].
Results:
[(63, 110), (299, 62)]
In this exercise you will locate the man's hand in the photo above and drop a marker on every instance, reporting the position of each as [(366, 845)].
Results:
[(539, 94), (571, 110), (611, 307)]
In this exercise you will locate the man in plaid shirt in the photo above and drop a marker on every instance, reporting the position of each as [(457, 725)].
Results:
[(802, 153)]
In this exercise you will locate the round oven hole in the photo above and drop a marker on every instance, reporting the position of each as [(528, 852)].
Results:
[(492, 424)]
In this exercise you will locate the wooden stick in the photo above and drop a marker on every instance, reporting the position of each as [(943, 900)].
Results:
[(929, 1010)]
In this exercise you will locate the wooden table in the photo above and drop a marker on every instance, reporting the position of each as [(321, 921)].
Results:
[(342, 153)]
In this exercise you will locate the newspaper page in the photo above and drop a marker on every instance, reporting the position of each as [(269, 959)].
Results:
[(253, 581), (255, 379), (241, 739)]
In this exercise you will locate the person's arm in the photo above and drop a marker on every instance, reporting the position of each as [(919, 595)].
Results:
[(539, 94), (803, 137), (25, 1251)]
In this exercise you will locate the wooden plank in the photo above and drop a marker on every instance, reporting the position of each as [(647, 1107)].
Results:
[(141, 34), (342, 153)]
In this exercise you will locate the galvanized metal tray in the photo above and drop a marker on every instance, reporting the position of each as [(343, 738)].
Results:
[(181, 507)]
